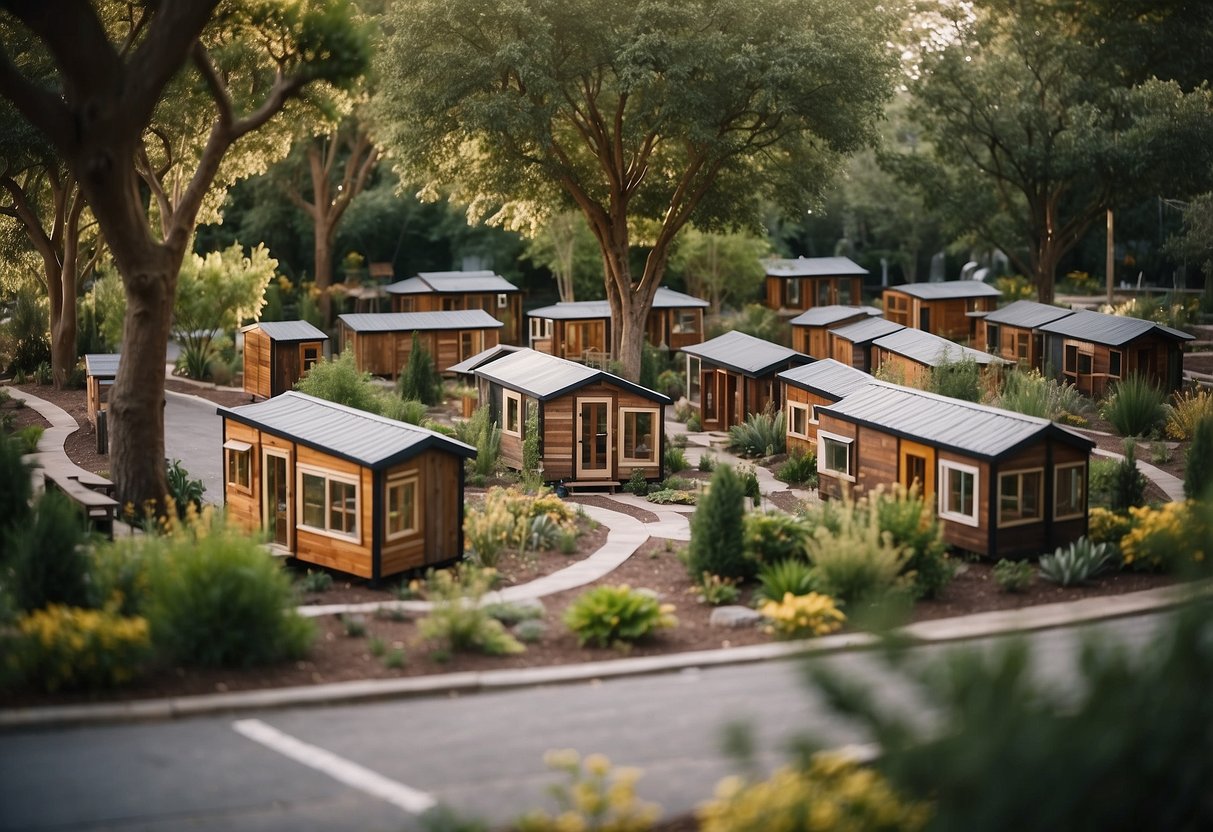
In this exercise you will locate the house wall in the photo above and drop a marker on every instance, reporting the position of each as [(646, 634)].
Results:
[(243, 506), (510, 314), (848, 352), (257, 375), (1045, 535), (814, 291), (896, 366), (947, 317), (958, 535), (1011, 339), (799, 395), (440, 514), (386, 353)]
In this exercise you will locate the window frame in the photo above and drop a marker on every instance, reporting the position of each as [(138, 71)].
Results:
[(401, 480), (807, 410), (233, 450), (1020, 474), (993, 338), (694, 380), (329, 476), (1120, 361), (1057, 490), (793, 293), (823, 457), (651, 460), (945, 467), (508, 396)]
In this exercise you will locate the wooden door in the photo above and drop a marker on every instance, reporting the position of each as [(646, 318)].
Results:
[(917, 464), (276, 498), (594, 438)]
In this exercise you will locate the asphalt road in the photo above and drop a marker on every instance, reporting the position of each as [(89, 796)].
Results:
[(193, 434), (377, 766)]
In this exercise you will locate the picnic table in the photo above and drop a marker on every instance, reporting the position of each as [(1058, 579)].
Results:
[(89, 493)]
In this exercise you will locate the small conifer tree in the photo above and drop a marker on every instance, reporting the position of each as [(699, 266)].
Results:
[(1128, 484), (1198, 465), (420, 380), (717, 529)]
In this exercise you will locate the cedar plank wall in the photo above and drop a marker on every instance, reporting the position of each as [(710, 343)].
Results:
[(829, 485), (243, 507), (971, 538), (287, 365), (440, 514), (257, 363), (847, 352), (875, 459), (559, 423), (913, 374), (386, 353), (1026, 538), (344, 554), (774, 289), (796, 394)]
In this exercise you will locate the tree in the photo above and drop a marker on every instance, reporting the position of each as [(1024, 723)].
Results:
[(642, 114), (720, 268), (565, 246), (248, 59)]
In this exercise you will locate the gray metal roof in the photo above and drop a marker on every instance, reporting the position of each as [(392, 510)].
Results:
[(813, 267), (972, 429), (452, 282), (947, 290), (932, 350), (826, 315), (481, 358), (288, 330), (1027, 314), (865, 331), (345, 432), (544, 376), (670, 299), (827, 377), (408, 286), (746, 354), (592, 309), (102, 364), (1112, 330), (419, 321)]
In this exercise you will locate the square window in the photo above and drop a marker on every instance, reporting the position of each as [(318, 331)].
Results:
[(401, 507), (958, 499), (328, 503), (1020, 497), (639, 429), (834, 455), (1070, 491), (798, 420), (239, 457)]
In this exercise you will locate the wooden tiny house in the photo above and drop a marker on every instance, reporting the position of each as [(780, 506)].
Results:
[(909, 355), (279, 353), (810, 329), (582, 329), (1092, 350), (1013, 332), (793, 286), (382, 341), (100, 371), (1004, 484), (811, 386), (453, 291), (595, 428), (343, 488), (734, 375), (852, 344), (945, 309)]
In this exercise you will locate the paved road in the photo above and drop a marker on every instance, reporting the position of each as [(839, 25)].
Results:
[(376, 766), (193, 434)]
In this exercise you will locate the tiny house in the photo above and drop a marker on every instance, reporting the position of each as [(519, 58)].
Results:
[(810, 329), (595, 429), (1004, 484), (582, 329), (1013, 332), (734, 375), (100, 371), (911, 354), (453, 291), (279, 353), (343, 488), (382, 341), (792, 286), (1092, 350), (811, 386), (946, 309), (852, 344)]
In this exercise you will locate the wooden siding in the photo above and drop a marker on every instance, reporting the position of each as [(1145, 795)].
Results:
[(848, 352), (875, 460), (510, 315), (946, 317), (1009, 341), (830, 486), (801, 396), (823, 290), (440, 515), (386, 353), (240, 506), (257, 363)]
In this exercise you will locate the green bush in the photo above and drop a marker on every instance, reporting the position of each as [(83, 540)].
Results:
[(1198, 463), (1013, 575), (1101, 475), (679, 484), (1077, 563), (715, 590), (457, 621), (1188, 409), (338, 380), (612, 615), (800, 468), (761, 434), (783, 577), (510, 614), (858, 563), (45, 557), (1128, 484), (707, 463), (481, 432), (315, 581), (674, 459), (910, 520), (773, 536), (28, 438), (69, 648), (410, 411), (26, 331), (717, 529), (672, 383), (419, 379), (1030, 393), (673, 496), (956, 379), (16, 487), (184, 491), (694, 423), (1135, 407), (637, 484)]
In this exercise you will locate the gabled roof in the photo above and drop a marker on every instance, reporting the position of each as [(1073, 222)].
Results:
[(965, 427), (947, 290), (102, 364), (865, 331), (419, 321), (288, 330), (746, 354), (467, 365), (1027, 314), (452, 283), (1112, 330), (932, 350), (826, 315), (545, 377), (345, 432), (579, 310), (813, 267), (829, 378)]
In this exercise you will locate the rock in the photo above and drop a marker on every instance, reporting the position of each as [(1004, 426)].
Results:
[(734, 617)]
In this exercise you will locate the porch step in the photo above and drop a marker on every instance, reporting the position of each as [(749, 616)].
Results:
[(595, 485)]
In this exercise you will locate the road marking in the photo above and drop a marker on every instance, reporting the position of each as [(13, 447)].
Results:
[(340, 769)]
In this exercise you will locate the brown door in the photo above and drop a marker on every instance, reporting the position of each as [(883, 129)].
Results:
[(276, 495), (917, 464), (594, 441)]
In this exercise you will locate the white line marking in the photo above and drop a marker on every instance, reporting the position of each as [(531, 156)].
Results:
[(340, 769)]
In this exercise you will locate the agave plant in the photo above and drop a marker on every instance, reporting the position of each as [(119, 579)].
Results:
[(1077, 563)]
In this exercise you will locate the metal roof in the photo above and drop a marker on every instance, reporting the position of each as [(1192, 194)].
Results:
[(1112, 330), (813, 267), (669, 299), (346, 432), (102, 364), (946, 290), (1027, 313), (419, 321), (826, 315), (932, 350), (827, 377), (592, 309), (452, 282), (972, 429), (746, 354), (481, 358), (544, 376), (288, 330), (864, 331)]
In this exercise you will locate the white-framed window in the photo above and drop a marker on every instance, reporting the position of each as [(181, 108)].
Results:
[(834, 455), (239, 459), (540, 328), (1070, 491), (693, 374), (1021, 497), (993, 344), (685, 321), (511, 412), (328, 502), (638, 435), (794, 291), (401, 514), (503, 300), (798, 420), (958, 487)]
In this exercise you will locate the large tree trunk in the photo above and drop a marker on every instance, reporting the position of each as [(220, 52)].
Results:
[(323, 255)]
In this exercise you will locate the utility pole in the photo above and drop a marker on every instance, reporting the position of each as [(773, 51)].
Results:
[(1110, 265)]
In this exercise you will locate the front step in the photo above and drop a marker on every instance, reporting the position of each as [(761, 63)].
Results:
[(594, 485)]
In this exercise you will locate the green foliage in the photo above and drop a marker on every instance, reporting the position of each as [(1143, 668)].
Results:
[(1174, 537), (695, 425), (613, 615), (800, 468), (108, 299), (773, 536), (419, 379), (28, 437), (717, 529), (858, 563), (723, 269), (1101, 476), (1030, 393), (1187, 410), (1013, 575), (25, 332), (1198, 470), (761, 434), (637, 484), (457, 621), (802, 616), (354, 625), (69, 648), (1077, 563), (707, 462), (784, 577), (673, 496), (409, 411), (16, 486), (531, 457), (185, 492), (956, 379), (1128, 483), (754, 319), (909, 519), (510, 518), (1014, 287), (715, 590), (672, 383), (510, 614), (674, 459), (481, 432), (44, 557), (315, 581), (338, 380), (1135, 407)]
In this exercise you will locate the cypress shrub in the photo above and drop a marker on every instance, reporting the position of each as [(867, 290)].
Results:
[(1128, 484), (1198, 465), (420, 380), (717, 530)]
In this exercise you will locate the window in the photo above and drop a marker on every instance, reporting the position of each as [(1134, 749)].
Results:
[(834, 455), (239, 464), (310, 355), (693, 368), (794, 292), (844, 291), (503, 300), (1021, 346), (897, 308), (639, 428), (1069, 491), (511, 408), (958, 499), (1020, 497), (798, 420), (400, 517), (1115, 363), (405, 304), (993, 336), (452, 304), (329, 502), (541, 328), (824, 290), (686, 321), (467, 345)]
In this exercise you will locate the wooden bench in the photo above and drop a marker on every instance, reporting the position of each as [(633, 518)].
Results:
[(95, 482), (99, 509), (596, 485)]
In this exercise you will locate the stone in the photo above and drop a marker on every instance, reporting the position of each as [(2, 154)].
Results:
[(734, 617)]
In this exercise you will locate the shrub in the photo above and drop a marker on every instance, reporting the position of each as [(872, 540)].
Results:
[(910, 520), (595, 796), (679, 484), (119, 576), (1030, 393), (802, 616), (506, 520), (410, 411), (615, 615), (354, 625), (674, 459), (69, 648), (773, 536), (857, 563), (1107, 526), (1160, 453), (530, 631), (717, 529), (338, 380), (673, 496), (1198, 470), (707, 463), (530, 442), (637, 484), (1159, 539), (510, 614), (1128, 483), (715, 590), (784, 577), (695, 424), (184, 491), (1101, 476), (1188, 409), (28, 438), (1013, 575), (419, 380), (457, 621), (672, 383), (481, 432), (314, 581), (800, 468), (16, 487), (45, 556), (26, 331), (956, 379), (761, 434), (1135, 407), (1077, 563)]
